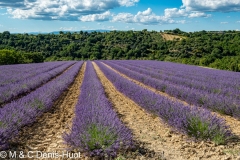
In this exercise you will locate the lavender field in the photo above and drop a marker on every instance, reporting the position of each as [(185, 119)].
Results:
[(120, 109)]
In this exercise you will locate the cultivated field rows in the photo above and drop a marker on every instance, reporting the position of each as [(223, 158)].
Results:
[(116, 109)]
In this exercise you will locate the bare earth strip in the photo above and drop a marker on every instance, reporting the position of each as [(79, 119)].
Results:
[(198, 150), (232, 122), (146, 128), (170, 37), (46, 134)]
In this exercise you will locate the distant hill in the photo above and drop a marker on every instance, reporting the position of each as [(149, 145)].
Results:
[(57, 32), (99, 30)]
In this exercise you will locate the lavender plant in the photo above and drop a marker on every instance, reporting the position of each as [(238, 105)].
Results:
[(219, 103), (213, 79), (96, 129), (198, 123), (24, 111), (210, 86), (10, 91), (10, 74)]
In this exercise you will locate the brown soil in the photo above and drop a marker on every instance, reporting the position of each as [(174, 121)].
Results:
[(46, 134), (155, 139), (232, 122), (145, 86), (170, 37), (159, 136)]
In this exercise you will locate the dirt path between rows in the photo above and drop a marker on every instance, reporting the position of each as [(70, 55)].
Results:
[(232, 122), (147, 129), (176, 145), (46, 134)]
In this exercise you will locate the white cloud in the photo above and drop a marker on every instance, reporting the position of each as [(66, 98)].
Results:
[(174, 12), (224, 22), (197, 8), (96, 17), (128, 2), (99, 10), (211, 5), (61, 9), (198, 14), (123, 17), (238, 21), (146, 17), (22, 14)]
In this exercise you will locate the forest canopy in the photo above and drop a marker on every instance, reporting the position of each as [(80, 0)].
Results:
[(217, 49)]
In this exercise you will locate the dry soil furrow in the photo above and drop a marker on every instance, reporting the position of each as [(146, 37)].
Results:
[(46, 134), (193, 149), (147, 87), (146, 128), (232, 122)]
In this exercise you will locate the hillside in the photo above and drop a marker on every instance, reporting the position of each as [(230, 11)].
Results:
[(211, 49), (170, 37)]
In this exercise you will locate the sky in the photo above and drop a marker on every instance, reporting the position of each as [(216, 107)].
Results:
[(24, 16)]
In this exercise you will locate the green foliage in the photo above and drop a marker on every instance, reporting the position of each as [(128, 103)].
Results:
[(200, 130), (219, 139), (99, 137), (212, 49), (36, 103), (1, 124), (14, 57), (33, 57), (197, 128), (10, 57)]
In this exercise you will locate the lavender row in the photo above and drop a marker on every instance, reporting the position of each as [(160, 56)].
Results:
[(224, 78), (199, 123), (170, 72), (96, 128), (193, 71), (10, 74), (218, 103), (24, 111), (207, 86), (11, 91)]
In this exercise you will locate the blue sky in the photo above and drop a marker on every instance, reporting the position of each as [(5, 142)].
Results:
[(19, 16)]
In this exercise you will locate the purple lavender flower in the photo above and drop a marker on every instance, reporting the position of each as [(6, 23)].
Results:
[(24, 111), (199, 123), (96, 129)]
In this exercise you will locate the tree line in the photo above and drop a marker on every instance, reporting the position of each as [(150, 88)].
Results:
[(17, 57), (212, 49)]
